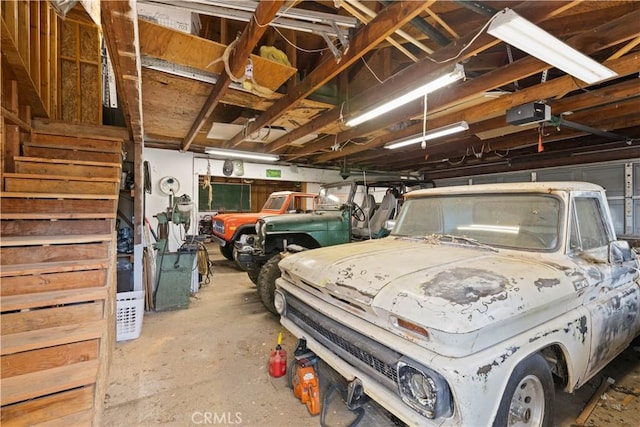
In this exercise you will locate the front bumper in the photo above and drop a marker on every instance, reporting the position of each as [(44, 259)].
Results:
[(372, 387), (354, 355), (218, 240), (248, 256)]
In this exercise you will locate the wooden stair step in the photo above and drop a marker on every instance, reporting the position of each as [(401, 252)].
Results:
[(68, 162), (54, 267), (45, 177), (57, 184), (57, 206), (66, 239), (66, 196), (78, 252), (106, 145), (41, 338), (61, 153), (49, 381), (45, 299), (56, 281), (59, 215), (62, 167), (51, 408), (49, 227)]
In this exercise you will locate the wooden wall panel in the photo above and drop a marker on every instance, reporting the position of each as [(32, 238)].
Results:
[(80, 68)]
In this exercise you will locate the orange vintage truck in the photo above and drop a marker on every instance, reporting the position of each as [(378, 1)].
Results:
[(227, 228)]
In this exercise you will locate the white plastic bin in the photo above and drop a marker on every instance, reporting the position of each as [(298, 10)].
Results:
[(129, 314)]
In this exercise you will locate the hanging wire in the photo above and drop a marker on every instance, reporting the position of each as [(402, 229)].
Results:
[(341, 119), (501, 155), (370, 70), (467, 46), (276, 17), (457, 163), (298, 47)]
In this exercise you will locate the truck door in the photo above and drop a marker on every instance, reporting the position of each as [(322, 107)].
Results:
[(612, 294)]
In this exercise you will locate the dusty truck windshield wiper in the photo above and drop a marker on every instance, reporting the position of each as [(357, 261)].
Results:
[(460, 240)]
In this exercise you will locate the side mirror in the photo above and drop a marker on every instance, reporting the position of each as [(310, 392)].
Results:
[(619, 252)]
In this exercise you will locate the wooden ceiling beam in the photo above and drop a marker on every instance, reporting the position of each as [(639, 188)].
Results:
[(264, 13), (617, 95), (439, 60), (612, 32), (497, 107), (617, 116), (535, 161), (120, 31), (384, 24)]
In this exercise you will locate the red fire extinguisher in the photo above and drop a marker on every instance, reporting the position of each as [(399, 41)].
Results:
[(278, 360)]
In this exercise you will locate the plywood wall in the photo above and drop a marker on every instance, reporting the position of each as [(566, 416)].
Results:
[(80, 72)]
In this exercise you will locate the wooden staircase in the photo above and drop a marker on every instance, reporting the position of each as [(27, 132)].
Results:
[(58, 275)]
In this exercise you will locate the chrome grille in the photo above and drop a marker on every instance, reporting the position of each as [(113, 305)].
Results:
[(333, 335)]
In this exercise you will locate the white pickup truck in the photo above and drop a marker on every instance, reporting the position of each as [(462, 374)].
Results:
[(480, 299)]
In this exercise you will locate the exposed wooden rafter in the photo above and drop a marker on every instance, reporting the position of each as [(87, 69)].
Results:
[(247, 41), (120, 29), (387, 21)]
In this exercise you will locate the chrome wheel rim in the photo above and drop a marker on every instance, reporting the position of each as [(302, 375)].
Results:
[(527, 403)]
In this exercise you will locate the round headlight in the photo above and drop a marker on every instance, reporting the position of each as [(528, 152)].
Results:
[(279, 302), (423, 389)]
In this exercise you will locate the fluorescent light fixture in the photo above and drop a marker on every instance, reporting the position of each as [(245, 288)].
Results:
[(432, 134), (241, 154), (510, 27), (433, 85)]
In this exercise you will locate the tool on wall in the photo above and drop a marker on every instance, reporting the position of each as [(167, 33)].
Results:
[(278, 360), (304, 377)]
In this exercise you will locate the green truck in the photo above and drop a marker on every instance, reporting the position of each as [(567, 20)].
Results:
[(344, 212)]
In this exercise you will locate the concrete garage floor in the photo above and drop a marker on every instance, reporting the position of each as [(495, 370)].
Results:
[(207, 365)]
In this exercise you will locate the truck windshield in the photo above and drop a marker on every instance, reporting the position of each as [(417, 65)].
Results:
[(516, 221), (332, 198), (274, 203)]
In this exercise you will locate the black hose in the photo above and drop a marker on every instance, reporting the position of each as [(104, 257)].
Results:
[(325, 403)]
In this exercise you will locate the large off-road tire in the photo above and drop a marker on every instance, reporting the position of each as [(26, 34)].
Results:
[(267, 282), (529, 395), (253, 274), (227, 251)]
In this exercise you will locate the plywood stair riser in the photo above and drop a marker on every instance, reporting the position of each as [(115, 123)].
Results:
[(46, 254), (52, 208), (64, 404), (55, 184), (58, 153), (57, 167), (56, 227), (48, 282), (103, 145), (58, 269)]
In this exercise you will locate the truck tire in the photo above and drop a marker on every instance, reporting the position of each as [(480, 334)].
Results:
[(253, 274), (267, 282), (529, 395), (227, 251)]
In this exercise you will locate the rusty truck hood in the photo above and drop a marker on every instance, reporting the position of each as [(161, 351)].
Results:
[(461, 294)]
